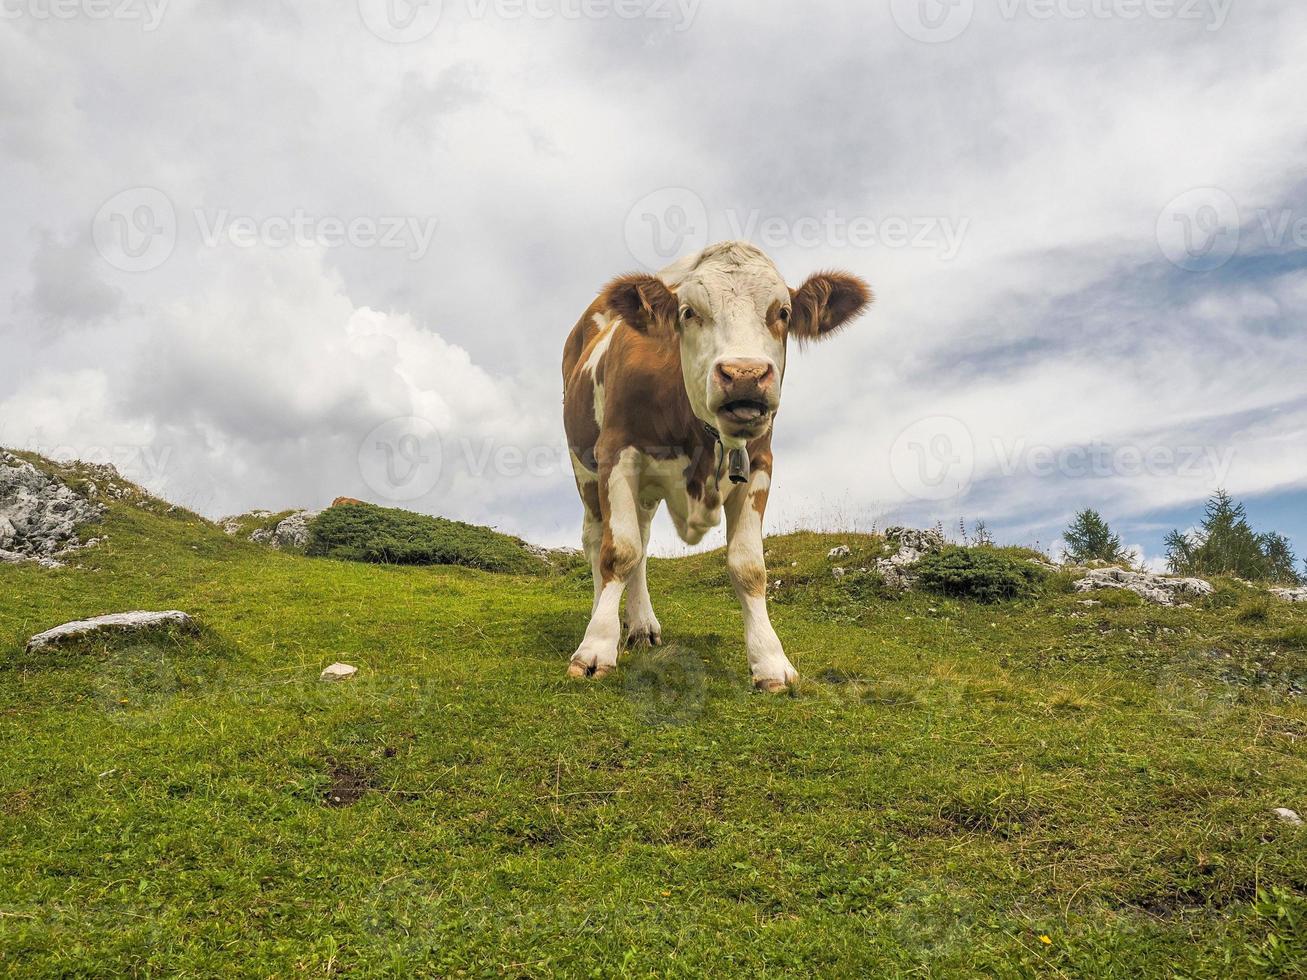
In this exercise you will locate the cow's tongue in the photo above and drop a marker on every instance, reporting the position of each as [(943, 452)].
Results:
[(744, 411)]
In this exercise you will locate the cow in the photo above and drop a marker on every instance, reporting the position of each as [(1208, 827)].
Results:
[(665, 379)]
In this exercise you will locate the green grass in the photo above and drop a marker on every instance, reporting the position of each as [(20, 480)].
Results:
[(1018, 788)]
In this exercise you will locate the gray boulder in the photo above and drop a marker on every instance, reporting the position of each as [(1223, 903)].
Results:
[(1160, 589), (291, 532), (128, 622), (1291, 595)]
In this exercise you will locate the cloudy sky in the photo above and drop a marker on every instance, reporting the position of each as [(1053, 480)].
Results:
[(267, 252)]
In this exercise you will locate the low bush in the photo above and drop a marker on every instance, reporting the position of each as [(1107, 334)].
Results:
[(365, 533), (982, 574)]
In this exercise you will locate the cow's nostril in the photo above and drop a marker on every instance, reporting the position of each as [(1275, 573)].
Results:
[(745, 371)]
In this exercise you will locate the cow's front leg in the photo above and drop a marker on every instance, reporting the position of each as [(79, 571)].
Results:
[(620, 553), (642, 625), (771, 669)]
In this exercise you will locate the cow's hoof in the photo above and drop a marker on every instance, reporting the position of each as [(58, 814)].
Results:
[(770, 685), (645, 636), (579, 669)]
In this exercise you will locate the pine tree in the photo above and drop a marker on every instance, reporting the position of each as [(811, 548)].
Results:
[(1226, 544), (981, 537), (1089, 538), (1281, 563)]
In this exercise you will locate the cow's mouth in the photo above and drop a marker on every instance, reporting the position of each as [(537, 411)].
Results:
[(744, 412)]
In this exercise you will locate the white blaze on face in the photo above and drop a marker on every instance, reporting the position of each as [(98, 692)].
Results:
[(728, 289)]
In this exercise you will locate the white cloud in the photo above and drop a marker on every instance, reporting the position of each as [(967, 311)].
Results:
[(1058, 324)]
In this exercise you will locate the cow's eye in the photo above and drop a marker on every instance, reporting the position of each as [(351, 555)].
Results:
[(687, 315), (785, 316)]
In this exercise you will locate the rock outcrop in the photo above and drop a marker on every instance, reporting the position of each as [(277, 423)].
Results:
[(39, 515), (129, 622), (292, 531), (913, 545), (1160, 589), (1291, 595)]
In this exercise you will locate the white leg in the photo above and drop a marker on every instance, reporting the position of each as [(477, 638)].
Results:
[(771, 669), (642, 624), (620, 552), (592, 536)]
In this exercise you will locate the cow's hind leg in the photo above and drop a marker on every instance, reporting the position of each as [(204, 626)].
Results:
[(642, 625), (620, 553)]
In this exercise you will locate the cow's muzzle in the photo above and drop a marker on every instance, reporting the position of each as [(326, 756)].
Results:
[(746, 394)]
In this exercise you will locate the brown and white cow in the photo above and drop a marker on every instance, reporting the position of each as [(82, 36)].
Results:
[(655, 373)]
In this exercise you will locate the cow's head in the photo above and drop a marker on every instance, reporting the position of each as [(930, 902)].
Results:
[(732, 316)]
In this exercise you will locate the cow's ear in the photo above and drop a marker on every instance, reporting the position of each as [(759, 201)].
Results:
[(827, 302), (643, 301)]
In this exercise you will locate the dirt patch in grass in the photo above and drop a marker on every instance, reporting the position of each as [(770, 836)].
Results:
[(349, 783)]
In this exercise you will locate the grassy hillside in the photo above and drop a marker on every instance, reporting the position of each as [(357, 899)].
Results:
[(1020, 787)]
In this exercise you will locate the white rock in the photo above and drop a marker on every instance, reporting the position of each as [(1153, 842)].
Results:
[(1288, 816), (1090, 602), (114, 623), (1160, 589), (838, 572), (339, 672), (1291, 595), (842, 551)]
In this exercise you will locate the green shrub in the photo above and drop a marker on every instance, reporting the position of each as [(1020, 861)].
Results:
[(982, 574), (362, 532)]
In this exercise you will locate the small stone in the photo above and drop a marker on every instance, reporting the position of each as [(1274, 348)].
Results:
[(838, 572), (1288, 816), (339, 672), (1090, 602), (842, 551)]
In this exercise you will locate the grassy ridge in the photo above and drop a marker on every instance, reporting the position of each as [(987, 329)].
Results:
[(386, 536), (1021, 787)]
